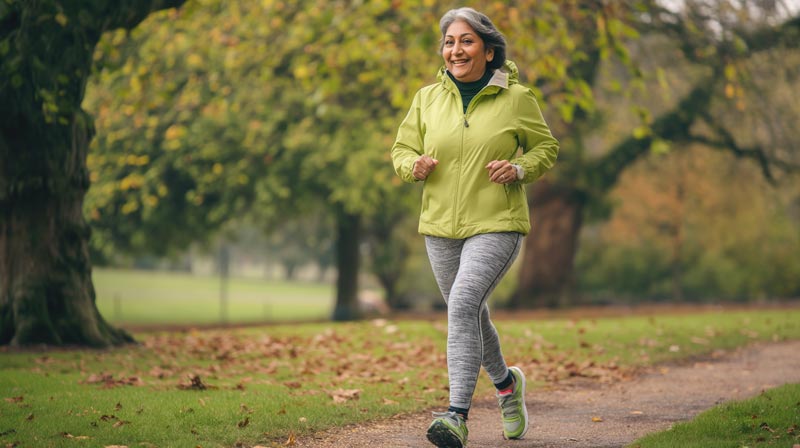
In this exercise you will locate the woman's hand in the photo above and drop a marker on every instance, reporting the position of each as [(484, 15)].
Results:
[(501, 172), (423, 167)]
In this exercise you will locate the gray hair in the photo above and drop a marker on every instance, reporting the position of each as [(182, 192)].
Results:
[(483, 26)]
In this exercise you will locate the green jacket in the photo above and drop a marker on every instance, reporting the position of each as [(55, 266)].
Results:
[(458, 199)]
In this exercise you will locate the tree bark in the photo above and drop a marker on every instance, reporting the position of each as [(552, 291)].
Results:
[(389, 252), (347, 262), (545, 277), (46, 291)]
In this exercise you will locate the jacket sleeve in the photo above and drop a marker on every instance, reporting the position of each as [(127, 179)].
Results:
[(539, 147), (408, 144)]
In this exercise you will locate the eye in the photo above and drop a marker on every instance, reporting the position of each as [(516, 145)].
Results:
[(467, 41), (448, 43)]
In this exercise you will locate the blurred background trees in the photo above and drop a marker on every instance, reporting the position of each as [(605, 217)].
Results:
[(677, 124), (229, 108)]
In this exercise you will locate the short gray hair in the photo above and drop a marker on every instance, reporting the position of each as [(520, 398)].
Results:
[(483, 26)]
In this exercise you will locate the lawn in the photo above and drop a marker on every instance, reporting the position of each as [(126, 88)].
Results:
[(157, 297), (268, 385), (770, 420)]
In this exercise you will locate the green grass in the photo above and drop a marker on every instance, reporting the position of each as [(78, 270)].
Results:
[(268, 384), (769, 420), (157, 297)]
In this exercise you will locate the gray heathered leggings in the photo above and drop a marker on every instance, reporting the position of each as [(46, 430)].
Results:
[(467, 271)]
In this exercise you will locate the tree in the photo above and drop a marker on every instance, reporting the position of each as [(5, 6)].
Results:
[(719, 45), (253, 109), (242, 107), (46, 47)]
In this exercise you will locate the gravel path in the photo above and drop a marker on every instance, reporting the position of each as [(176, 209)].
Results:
[(629, 409)]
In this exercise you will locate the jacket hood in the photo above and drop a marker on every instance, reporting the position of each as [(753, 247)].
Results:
[(506, 76)]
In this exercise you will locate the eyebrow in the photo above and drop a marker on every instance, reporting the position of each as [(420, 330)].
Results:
[(462, 35)]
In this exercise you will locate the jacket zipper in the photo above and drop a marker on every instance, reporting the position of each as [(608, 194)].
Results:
[(461, 152)]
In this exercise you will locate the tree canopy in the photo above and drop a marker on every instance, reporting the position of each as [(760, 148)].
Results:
[(269, 109)]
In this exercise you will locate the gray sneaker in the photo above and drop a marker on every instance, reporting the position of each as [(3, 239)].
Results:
[(448, 430), (512, 407)]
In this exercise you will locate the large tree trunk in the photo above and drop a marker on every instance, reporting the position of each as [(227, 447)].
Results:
[(545, 277), (389, 253), (347, 261), (46, 292)]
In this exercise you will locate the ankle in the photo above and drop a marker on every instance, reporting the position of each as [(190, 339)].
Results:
[(459, 411)]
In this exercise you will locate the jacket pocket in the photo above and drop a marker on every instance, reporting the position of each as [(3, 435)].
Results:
[(490, 206)]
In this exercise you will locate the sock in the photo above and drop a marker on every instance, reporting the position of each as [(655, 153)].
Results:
[(506, 386), (462, 411)]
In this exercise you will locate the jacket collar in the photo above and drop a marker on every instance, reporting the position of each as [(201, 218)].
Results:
[(502, 77)]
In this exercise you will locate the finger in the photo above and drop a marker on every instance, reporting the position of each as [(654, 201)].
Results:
[(499, 166), (426, 162), (496, 173)]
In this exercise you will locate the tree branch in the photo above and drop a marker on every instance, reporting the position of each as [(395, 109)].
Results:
[(673, 126), (727, 142)]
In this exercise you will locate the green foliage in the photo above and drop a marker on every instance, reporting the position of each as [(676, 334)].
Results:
[(771, 419), (682, 230), (225, 107)]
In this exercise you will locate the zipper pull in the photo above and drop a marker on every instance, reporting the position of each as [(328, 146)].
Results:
[(466, 123)]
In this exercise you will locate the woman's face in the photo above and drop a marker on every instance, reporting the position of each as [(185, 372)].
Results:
[(464, 53)]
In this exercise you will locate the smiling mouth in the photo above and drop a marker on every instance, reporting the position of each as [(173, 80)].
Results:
[(459, 62)]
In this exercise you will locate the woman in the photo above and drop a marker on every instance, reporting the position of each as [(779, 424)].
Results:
[(475, 138)]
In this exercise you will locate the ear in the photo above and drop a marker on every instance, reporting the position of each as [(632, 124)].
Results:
[(490, 55)]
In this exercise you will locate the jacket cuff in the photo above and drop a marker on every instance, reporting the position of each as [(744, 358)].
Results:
[(520, 171)]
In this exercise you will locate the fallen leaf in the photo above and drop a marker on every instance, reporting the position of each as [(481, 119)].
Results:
[(67, 435), (292, 440), (597, 419), (637, 412), (343, 395), (29, 417), (302, 420), (120, 423), (388, 402), (196, 384), (244, 422), (14, 399), (116, 446)]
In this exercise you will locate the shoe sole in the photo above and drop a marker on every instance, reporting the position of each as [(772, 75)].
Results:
[(524, 407), (441, 436)]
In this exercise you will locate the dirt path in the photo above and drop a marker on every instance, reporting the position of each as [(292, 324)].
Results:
[(629, 409)]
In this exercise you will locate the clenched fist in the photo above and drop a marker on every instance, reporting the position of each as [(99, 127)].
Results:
[(423, 167)]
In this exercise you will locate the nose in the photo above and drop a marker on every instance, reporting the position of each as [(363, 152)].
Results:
[(457, 48)]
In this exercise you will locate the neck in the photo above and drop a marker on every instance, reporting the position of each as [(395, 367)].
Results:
[(469, 89)]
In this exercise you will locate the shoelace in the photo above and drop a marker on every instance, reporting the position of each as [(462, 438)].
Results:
[(450, 415), (508, 403)]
